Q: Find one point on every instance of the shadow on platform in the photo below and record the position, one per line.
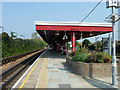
(99, 83)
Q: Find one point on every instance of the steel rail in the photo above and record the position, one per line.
(31, 60)
(13, 58)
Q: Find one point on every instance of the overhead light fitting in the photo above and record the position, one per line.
(57, 33)
(65, 36)
(91, 34)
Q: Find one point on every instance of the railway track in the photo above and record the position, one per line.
(14, 58)
(9, 77)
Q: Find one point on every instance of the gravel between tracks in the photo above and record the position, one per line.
(14, 63)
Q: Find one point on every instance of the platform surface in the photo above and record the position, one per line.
(51, 71)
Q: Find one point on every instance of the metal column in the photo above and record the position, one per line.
(62, 48)
(114, 64)
(73, 42)
(67, 49)
(109, 44)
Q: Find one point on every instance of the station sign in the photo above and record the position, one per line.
(105, 42)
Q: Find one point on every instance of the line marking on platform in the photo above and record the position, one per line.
(14, 86)
(29, 73)
(42, 80)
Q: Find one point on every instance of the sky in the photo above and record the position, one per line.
(20, 16)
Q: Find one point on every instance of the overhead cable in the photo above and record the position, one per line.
(91, 11)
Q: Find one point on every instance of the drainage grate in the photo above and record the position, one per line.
(50, 67)
(64, 86)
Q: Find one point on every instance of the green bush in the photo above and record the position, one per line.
(91, 58)
(86, 43)
(78, 52)
(82, 50)
(11, 47)
(72, 54)
(100, 61)
(81, 57)
(91, 47)
(101, 57)
(103, 53)
(107, 59)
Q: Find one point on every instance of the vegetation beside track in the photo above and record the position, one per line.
(90, 53)
(12, 46)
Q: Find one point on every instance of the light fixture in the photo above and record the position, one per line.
(57, 33)
(91, 34)
(65, 36)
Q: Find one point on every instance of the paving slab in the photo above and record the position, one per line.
(52, 72)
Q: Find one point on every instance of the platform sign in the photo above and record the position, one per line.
(105, 47)
(105, 42)
(115, 3)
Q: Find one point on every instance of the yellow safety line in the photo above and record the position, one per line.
(29, 74)
(42, 83)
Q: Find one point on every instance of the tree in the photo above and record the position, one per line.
(13, 34)
(99, 45)
(77, 43)
(6, 42)
(11, 47)
(91, 47)
(86, 43)
(35, 35)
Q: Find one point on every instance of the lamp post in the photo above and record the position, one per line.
(114, 65)
(65, 38)
(113, 4)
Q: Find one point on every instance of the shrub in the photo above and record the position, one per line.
(82, 50)
(100, 61)
(100, 58)
(79, 51)
(91, 58)
(81, 57)
(72, 54)
(11, 46)
(104, 53)
(86, 43)
(107, 59)
(91, 47)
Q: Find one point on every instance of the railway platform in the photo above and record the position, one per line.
(51, 71)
